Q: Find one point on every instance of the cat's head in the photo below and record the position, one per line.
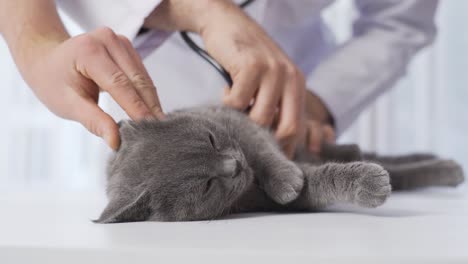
(186, 167)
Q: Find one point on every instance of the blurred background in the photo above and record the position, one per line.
(426, 111)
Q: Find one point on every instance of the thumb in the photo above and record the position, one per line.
(99, 123)
(329, 133)
(314, 136)
(226, 92)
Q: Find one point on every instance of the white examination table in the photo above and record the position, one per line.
(429, 226)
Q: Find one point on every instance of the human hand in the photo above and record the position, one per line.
(317, 133)
(262, 73)
(67, 77)
(318, 127)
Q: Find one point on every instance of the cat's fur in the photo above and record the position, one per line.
(206, 162)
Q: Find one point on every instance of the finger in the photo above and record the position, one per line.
(141, 79)
(289, 149)
(267, 101)
(226, 91)
(290, 114)
(127, 59)
(314, 136)
(243, 90)
(329, 134)
(99, 123)
(99, 67)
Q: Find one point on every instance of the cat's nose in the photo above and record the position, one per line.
(232, 167)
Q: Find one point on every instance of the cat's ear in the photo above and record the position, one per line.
(122, 209)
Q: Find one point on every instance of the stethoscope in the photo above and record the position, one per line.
(202, 53)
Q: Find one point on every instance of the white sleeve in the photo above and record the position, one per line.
(125, 17)
(386, 36)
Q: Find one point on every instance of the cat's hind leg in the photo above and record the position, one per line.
(425, 174)
(399, 159)
(362, 183)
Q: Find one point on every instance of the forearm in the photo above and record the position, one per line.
(186, 15)
(29, 27)
(386, 36)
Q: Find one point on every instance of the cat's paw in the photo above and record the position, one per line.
(449, 173)
(372, 187)
(285, 183)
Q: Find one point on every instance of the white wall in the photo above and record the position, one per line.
(37, 149)
(427, 111)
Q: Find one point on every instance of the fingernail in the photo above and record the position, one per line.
(108, 139)
(148, 116)
(160, 115)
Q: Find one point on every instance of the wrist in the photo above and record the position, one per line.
(30, 28)
(29, 48)
(187, 15)
(214, 12)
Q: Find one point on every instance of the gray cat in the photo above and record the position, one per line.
(206, 162)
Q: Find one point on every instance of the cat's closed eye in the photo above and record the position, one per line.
(209, 185)
(212, 141)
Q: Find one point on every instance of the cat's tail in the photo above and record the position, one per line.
(407, 172)
(421, 173)
(399, 159)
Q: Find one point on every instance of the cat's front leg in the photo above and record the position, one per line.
(362, 183)
(281, 179)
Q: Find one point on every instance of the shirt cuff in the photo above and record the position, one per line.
(125, 17)
(149, 41)
(134, 19)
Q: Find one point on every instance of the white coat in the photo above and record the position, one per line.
(386, 35)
